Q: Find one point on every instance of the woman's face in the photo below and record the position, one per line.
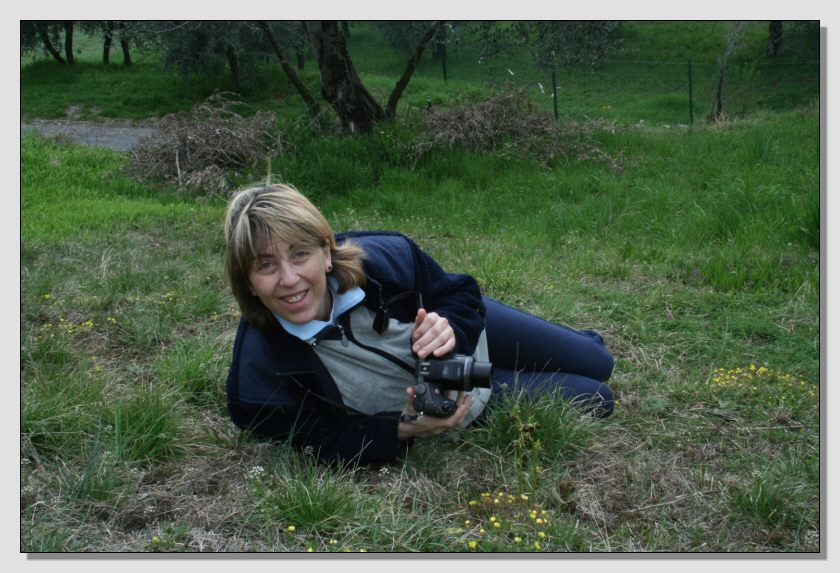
(291, 281)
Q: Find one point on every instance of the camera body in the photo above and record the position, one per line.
(434, 377)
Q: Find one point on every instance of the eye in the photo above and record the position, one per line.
(264, 266)
(300, 255)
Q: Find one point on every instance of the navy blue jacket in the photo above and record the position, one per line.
(277, 386)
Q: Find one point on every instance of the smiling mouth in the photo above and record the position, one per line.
(292, 299)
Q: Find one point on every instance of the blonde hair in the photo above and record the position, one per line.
(258, 215)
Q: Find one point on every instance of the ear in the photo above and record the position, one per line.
(327, 258)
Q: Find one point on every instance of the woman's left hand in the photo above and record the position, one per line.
(431, 335)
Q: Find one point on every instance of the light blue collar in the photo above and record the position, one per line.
(341, 303)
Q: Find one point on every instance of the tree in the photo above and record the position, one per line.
(733, 35)
(340, 84)
(43, 33)
(571, 42)
(68, 42)
(774, 37)
(279, 51)
(212, 46)
(106, 29)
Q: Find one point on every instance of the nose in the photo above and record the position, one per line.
(288, 277)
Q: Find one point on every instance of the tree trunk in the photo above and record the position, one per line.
(774, 39)
(340, 84)
(45, 38)
(732, 37)
(391, 108)
(300, 59)
(233, 62)
(124, 46)
(718, 112)
(313, 106)
(345, 27)
(68, 42)
(106, 46)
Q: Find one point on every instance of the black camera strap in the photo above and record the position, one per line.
(382, 319)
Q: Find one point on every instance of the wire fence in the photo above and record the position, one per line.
(656, 92)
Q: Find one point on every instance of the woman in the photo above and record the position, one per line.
(332, 325)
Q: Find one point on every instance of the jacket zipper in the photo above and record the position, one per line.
(347, 337)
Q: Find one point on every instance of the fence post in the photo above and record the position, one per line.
(554, 89)
(690, 97)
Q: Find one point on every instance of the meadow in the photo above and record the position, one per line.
(695, 252)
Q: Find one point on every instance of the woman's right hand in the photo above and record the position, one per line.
(431, 425)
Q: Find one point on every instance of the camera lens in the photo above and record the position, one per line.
(481, 373)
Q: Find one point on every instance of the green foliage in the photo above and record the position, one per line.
(533, 433)
(779, 496)
(144, 428)
(572, 42)
(196, 367)
(210, 47)
(298, 492)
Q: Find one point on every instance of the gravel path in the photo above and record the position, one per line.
(113, 135)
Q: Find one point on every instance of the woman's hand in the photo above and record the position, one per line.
(431, 335)
(431, 425)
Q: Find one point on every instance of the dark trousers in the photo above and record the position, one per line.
(536, 356)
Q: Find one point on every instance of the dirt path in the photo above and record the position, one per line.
(113, 135)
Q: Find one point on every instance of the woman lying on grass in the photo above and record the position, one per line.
(332, 326)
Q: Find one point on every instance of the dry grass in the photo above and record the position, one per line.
(508, 123)
(196, 149)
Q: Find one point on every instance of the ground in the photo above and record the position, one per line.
(120, 136)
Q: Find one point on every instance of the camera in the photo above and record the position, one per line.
(434, 377)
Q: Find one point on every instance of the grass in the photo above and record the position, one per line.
(697, 259)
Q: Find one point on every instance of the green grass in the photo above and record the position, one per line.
(697, 259)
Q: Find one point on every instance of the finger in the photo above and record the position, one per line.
(421, 316)
(424, 322)
(437, 333)
(440, 345)
(447, 347)
(461, 411)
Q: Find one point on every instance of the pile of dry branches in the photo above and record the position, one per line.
(508, 123)
(196, 149)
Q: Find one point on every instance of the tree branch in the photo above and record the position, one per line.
(45, 37)
(313, 106)
(391, 108)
